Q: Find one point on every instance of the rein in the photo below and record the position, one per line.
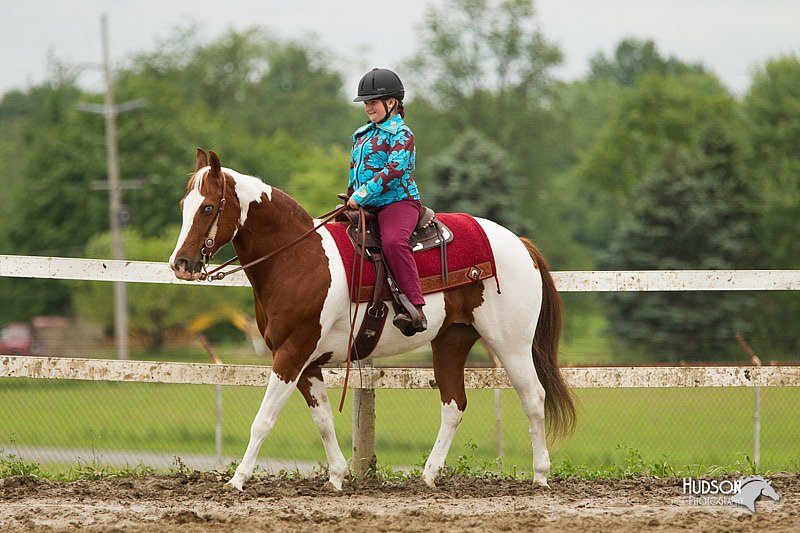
(216, 275)
(362, 226)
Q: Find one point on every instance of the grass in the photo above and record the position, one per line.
(11, 465)
(682, 430)
(465, 464)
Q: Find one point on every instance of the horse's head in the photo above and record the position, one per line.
(768, 491)
(207, 223)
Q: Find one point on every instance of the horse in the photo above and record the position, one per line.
(751, 488)
(303, 310)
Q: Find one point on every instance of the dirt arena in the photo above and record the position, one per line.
(199, 502)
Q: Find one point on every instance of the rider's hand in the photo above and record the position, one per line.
(352, 203)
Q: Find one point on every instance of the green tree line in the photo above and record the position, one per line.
(648, 162)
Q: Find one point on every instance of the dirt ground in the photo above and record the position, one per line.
(200, 502)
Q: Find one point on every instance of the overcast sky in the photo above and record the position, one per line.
(731, 37)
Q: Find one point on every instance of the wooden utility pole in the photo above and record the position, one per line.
(114, 186)
(115, 201)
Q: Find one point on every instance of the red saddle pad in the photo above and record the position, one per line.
(469, 250)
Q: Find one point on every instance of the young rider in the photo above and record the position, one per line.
(381, 180)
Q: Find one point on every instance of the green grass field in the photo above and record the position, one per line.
(688, 429)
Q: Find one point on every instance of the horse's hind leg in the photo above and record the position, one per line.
(517, 359)
(278, 392)
(450, 349)
(312, 387)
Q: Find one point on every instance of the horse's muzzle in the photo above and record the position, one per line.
(184, 272)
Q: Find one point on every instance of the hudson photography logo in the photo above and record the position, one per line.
(744, 491)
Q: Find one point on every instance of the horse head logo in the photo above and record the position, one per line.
(751, 488)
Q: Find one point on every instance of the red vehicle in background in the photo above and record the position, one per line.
(17, 339)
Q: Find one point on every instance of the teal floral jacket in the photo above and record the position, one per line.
(382, 163)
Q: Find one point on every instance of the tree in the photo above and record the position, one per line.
(772, 111)
(156, 310)
(634, 58)
(658, 115)
(325, 175)
(474, 176)
(486, 59)
(484, 65)
(772, 108)
(612, 128)
(690, 212)
(51, 210)
(270, 108)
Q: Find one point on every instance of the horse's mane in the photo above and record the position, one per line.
(196, 179)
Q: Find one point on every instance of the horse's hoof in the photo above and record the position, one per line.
(541, 482)
(331, 486)
(238, 485)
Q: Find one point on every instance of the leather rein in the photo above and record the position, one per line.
(216, 274)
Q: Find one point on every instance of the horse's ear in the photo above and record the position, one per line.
(202, 160)
(216, 166)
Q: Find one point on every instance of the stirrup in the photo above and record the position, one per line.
(405, 324)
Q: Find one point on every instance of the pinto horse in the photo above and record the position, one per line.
(303, 310)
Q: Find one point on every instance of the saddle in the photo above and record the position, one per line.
(428, 233)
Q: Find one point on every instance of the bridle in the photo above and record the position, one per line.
(208, 243)
(216, 274)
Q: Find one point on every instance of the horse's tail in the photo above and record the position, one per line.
(559, 405)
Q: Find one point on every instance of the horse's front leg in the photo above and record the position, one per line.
(312, 387)
(278, 392)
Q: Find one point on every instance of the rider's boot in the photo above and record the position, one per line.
(409, 325)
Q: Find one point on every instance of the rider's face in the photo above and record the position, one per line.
(375, 110)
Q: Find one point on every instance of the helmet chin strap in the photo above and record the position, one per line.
(387, 112)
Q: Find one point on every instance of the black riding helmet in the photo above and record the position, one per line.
(380, 83)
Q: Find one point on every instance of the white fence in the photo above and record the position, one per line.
(17, 266)
(403, 378)
(392, 378)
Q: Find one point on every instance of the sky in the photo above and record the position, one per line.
(730, 37)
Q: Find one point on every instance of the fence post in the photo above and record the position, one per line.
(498, 413)
(756, 362)
(218, 429)
(364, 458)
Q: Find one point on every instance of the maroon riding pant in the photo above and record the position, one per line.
(396, 222)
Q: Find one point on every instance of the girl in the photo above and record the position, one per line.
(381, 166)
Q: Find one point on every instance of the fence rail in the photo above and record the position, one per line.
(391, 378)
(20, 266)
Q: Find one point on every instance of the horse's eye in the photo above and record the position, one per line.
(208, 209)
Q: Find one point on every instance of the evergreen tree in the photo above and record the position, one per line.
(772, 112)
(474, 177)
(689, 213)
